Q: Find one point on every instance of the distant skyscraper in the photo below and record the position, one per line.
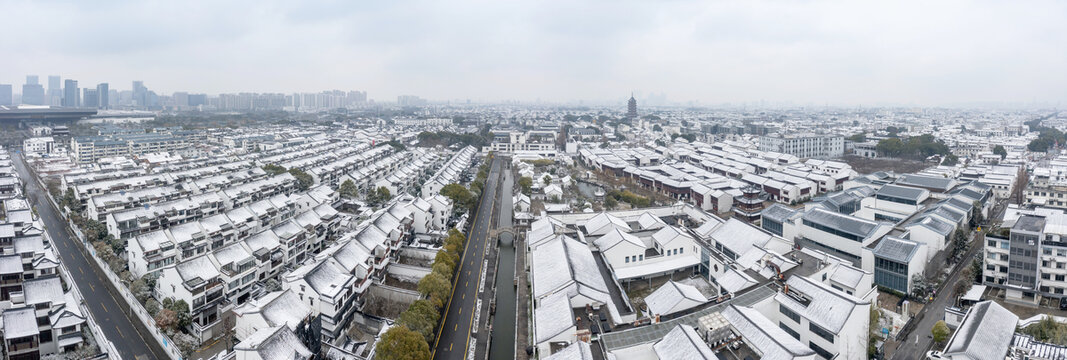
(32, 91)
(631, 107)
(70, 93)
(103, 94)
(140, 94)
(55, 91)
(5, 94)
(90, 98)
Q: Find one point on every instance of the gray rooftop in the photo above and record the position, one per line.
(896, 249)
(841, 222)
(900, 192)
(1030, 223)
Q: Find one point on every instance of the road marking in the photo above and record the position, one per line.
(450, 346)
(456, 328)
(104, 306)
(120, 331)
(460, 312)
(464, 296)
(465, 282)
(470, 238)
(93, 288)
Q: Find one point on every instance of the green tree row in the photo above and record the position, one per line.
(411, 336)
(915, 147)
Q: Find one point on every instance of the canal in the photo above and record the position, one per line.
(502, 345)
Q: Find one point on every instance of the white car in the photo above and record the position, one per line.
(933, 355)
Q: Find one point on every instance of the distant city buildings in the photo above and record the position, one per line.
(70, 93)
(32, 91)
(6, 98)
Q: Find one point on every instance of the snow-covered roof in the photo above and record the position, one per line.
(826, 307)
(566, 263)
(276, 343)
(739, 237)
(683, 343)
(601, 224)
(673, 297)
(579, 350)
(763, 335)
(553, 317)
(984, 334)
(617, 236)
(20, 322)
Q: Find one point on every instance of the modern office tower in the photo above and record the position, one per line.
(55, 91)
(5, 95)
(90, 98)
(32, 91)
(70, 93)
(140, 94)
(102, 93)
(197, 99)
(181, 99)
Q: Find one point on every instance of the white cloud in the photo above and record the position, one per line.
(839, 52)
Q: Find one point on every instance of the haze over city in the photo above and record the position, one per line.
(685, 52)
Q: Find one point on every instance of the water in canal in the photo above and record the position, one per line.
(502, 346)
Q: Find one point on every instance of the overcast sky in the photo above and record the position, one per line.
(838, 52)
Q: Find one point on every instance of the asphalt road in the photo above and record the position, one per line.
(454, 337)
(118, 326)
(919, 341)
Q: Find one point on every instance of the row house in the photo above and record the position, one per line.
(248, 193)
(156, 250)
(450, 172)
(364, 178)
(100, 205)
(330, 173)
(200, 284)
(128, 223)
(405, 179)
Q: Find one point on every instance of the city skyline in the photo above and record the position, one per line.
(834, 53)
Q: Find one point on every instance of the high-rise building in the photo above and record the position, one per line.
(90, 98)
(103, 94)
(197, 99)
(140, 94)
(70, 93)
(631, 107)
(5, 95)
(55, 92)
(32, 91)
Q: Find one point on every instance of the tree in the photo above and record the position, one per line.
(610, 203)
(140, 290)
(547, 179)
(272, 285)
(951, 160)
(959, 242)
(303, 179)
(401, 343)
(526, 184)
(348, 189)
(181, 311)
(657, 128)
(999, 150)
(940, 331)
(443, 257)
(460, 196)
(965, 281)
(858, 138)
(272, 169)
(421, 316)
(976, 214)
(167, 320)
(918, 286)
(436, 286)
(186, 343)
